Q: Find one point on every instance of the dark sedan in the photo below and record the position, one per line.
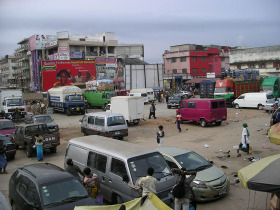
(42, 118)
(10, 147)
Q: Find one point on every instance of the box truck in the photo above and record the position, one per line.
(132, 107)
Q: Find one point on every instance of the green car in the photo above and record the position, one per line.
(210, 182)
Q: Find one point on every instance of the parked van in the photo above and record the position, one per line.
(144, 95)
(148, 91)
(203, 111)
(116, 163)
(104, 124)
(254, 100)
(98, 98)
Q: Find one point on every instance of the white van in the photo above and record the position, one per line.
(144, 95)
(149, 91)
(117, 162)
(104, 124)
(253, 100)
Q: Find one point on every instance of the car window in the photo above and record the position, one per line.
(183, 105)
(215, 105)
(6, 125)
(99, 121)
(91, 120)
(18, 130)
(170, 162)
(222, 104)
(116, 120)
(241, 97)
(118, 167)
(76, 153)
(32, 194)
(191, 105)
(97, 161)
(22, 186)
(191, 161)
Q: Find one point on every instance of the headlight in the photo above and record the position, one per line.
(199, 184)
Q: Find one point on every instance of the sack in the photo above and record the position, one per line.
(99, 199)
(157, 139)
(178, 191)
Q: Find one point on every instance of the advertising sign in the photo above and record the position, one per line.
(63, 73)
(37, 42)
(63, 53)
(106, 68)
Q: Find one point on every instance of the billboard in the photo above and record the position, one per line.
(63, 73)
(106, 68)
(37, 42)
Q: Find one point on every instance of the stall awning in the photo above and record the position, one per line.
(195, 80)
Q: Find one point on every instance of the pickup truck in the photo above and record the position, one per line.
(24, 136)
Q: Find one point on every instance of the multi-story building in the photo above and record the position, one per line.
(63, 46)
(188, 61)
(8, 68)
(264, 59)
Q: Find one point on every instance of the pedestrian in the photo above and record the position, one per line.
(73, 169)
(43, 108)
(152, 110)
(38, 106)
(167, 97)
(160, 135)
(92, 183)
(178, 121)
(39, 147)
(3, 161)
(161, 96)
(180, 174)
(245, 141)
(86, 107)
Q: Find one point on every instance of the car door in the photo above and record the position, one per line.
(183, 111)
(17, 136)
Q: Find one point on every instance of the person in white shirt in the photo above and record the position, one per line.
(245, 140)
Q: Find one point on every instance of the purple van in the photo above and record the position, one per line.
(204, 111)
(7, 127)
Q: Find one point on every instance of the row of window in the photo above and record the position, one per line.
(194, 58)
(184, 71)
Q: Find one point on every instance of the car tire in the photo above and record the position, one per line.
(17, 146)
(259, 107)
(53, 149)
(236, 106)
(28, 151)
(169, 107)
(136, 122)
(85, 133)
(68, 112)
(219, 123)
(203, 123)
(120, 137)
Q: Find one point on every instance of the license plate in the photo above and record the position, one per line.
(117, 133)
(47, 145)
(222, 191)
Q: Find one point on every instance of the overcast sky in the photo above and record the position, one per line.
(158, 24)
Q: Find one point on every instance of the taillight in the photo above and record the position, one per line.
(127, 130)
(106, 133)
(58, 137)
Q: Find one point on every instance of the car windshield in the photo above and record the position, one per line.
(43, 119)
(6, 125)
(36, 129)
(267, 88)
(5, 139)
(175, 98)
(15, 102)
(192, 161)
(76, 98)
(220, 90)
(110, 95)
(59, 192)
(116, 120)
(138, 166)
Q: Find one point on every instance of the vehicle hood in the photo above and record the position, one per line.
(51, 124)
(174, 101)
(83, 202)
(7, 132)
(209, 174)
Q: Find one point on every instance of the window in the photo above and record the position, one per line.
(118, 167)
(241, 97)
(182, 59)
(203, 70)
(32, 194)
(22, 186)
(174, 71)
(91, 120)
(203, 58)
(194, 70)
(170, 162)
(97, 161)
(214, 105)
(193, 58)
(223, 59)
(191, 105)
(99, 121)
(222, 104)
(117, 120)
(173, 60)
(184, 71)
(183, 105)
(216, 59)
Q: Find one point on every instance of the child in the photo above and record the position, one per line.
(160, 135)
(39, 146)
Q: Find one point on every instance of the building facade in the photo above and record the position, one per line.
(264, 59)
(184, 62)
(8, 67)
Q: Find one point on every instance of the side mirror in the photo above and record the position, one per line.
(125, 178)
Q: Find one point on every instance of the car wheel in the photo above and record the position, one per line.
(120, 138)
(136, 122)
(118, 200)
(53, 149)
(17, 146)
(219, 123)
(236, 106)
(85, 133)
(259, 107)
(68, 112)
(203, 123)
(28, 151)
(169, 107)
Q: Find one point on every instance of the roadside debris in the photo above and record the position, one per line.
(206, 145)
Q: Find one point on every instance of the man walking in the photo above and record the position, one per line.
(152, 110)
(178, 120)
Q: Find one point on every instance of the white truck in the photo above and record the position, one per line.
(68, 99)
(11, 99)
(132, 107)
(147, 93)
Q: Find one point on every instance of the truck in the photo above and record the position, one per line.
(97, 98)
(11, 99)
(24, 136)
(67, 99)
(271, 85)
(132, 107)
(230, 89)
(207, 88)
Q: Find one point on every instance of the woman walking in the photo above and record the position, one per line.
(160, 135)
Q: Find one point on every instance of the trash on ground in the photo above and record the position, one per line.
(236, 180)
(245, 159)
(235, 147)
(206, 145)
(238, 155)
(224, 167)
(227, 152)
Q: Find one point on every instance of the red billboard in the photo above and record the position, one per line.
(63, 73)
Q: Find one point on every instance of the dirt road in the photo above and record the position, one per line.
(220, 139)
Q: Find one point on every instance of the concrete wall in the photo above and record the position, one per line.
(143, 76)
(130, 51)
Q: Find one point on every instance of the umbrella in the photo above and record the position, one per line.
(262, 175)
(274, 133)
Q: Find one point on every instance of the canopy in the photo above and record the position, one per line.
(195, 80)
(262, 175)
(151, 203)
(269, 81)
(274, 133)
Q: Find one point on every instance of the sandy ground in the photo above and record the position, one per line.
(219, 138)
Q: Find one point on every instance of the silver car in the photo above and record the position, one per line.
(210, 182)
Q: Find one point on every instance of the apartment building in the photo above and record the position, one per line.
(264, 59)
(8, 67)
(188, 61)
